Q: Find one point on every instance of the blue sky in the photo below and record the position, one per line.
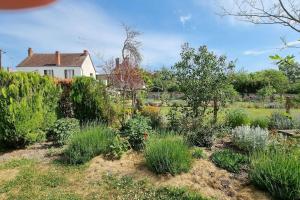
(71, 26)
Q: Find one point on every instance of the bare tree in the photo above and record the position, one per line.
(282, 12)
(131, 46)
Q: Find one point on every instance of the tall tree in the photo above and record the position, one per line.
(202, 78)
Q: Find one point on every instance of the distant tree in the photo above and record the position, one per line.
(274, 78)
(164, 80)
(202, 78)
(289, 66)
(282, 12)
(267, 91)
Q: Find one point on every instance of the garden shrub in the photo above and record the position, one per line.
(90, 100)
(28, 105)
(153, 113)
(229, 160)
(249, 139)
(280, 121)
(277, 170)
(90, 142)
(65, 107)
(174, 118)
(238, 117)
(167, 155)
(136, 130)
(262, 122)
(62, 130)
(116, 148)
(202, 136)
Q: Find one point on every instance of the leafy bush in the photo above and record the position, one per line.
(167, 155)
(90, 100)
(229, 160)
(28, 103)
(90, 142)
(63, 129)
(174, 118)
(116, 148)
(278, 171)
(238, 117)
(202, 136)
(137, 129)
(153, 113)
(249, 139)
(198, 153)
(280, 121)
(262, 122)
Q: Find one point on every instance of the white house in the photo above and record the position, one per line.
(59, 65)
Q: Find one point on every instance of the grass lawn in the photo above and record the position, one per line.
(253, 112)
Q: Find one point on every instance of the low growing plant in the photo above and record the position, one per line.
(137, 130)
(202, 136)
(62, 130)
(90, 142)
(167, 155)
(198, 153)
(116, 148)
(249, 139)
(238, 117)
(277, 170)
(281, 121)
(262, 122)
(229, 160)
(153, 113)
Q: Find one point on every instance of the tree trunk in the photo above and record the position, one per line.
(216, 109)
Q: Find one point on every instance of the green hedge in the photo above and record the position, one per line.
(90, 100)
(28, 105)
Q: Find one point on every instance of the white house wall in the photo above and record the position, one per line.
(88, 67)
(59, 72)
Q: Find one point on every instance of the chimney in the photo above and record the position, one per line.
(117, 62)
(57, 58)
(85, 52)
(30, 52)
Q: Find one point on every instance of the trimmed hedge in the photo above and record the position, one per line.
(28, 105)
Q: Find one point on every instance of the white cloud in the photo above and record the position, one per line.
(257, 52)
(73, 27)
(185, 18)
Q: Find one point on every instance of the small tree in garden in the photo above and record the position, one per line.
(202, 77)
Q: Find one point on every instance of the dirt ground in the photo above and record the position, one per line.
(204, 177)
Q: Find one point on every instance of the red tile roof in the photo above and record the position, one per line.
(44, 60)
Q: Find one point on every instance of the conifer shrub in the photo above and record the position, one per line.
(28, 105)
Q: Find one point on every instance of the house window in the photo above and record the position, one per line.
(48, 72)
(91, 74)
(69, 73)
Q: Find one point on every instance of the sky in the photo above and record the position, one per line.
(96, 25)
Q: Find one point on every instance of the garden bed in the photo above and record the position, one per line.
(204, 177)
